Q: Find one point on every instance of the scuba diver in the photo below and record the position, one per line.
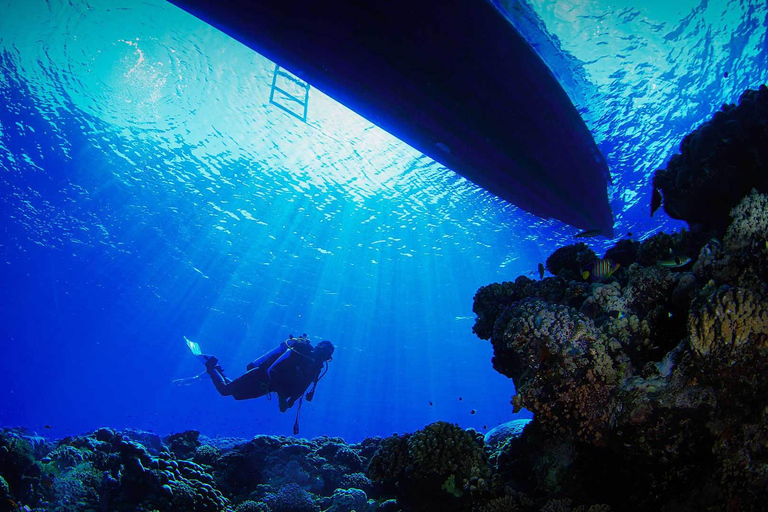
(287, 370)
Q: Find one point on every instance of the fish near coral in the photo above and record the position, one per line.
(676, 262)
(599, 269)
(541, 270)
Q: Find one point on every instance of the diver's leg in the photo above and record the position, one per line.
(251, 384)
(218, 378)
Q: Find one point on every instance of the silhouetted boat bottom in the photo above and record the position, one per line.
(454, 80)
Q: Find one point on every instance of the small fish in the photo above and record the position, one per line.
(430, 403)
(47, 426)
(541, 270)
(472, 411)
(676, 262)
(460, 399)
(629, 234)
(485, 427)
(600, 268)
(655, 200)
(589, 233)
(725, 74)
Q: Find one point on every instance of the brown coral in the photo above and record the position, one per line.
(728, 326)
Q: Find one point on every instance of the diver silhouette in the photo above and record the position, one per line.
(287, 370)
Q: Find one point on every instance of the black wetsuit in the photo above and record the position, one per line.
(288, 370)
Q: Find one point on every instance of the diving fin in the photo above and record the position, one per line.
(193, 347)
(189, 380)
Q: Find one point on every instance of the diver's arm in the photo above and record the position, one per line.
(275, 368)
(309, 396)
(272, 355)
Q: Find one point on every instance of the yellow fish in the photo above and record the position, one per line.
(599, 269)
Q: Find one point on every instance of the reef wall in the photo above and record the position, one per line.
(649, 385)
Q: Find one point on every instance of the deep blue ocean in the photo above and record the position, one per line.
(150, 191)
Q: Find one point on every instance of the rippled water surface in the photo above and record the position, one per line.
(149, 190)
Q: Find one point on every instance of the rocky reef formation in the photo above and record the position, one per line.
(650, 387)
(440, 467)
(718, 164)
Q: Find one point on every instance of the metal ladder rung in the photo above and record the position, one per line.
(287, 96)
(297, 81)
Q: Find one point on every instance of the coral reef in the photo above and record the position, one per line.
(116, 471)
(718, 164)
(441, 466)
(654, 379)
(569, 261)
(291, 498)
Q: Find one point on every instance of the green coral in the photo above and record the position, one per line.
(448, 451)
(435, 467)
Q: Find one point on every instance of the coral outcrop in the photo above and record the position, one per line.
(659, 373)
(718, 164)
(109, 470)
(439, 466)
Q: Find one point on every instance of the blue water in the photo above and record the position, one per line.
(149, 191)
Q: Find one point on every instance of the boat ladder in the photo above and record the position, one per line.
(292, 93)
